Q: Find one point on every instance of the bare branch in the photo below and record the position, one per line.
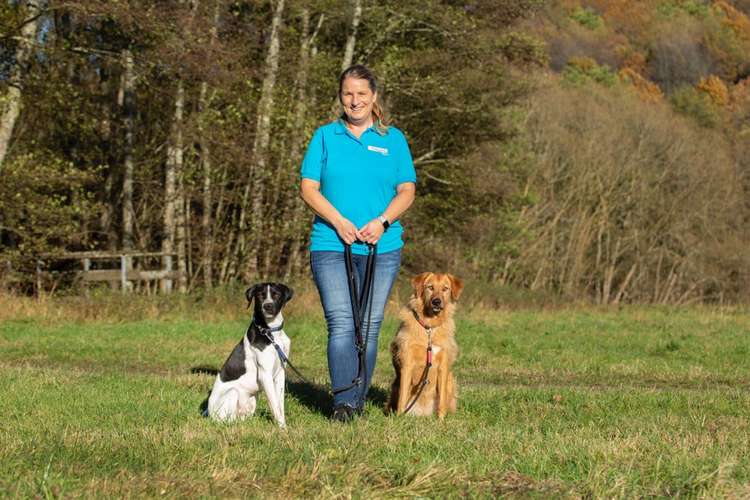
(436, 179)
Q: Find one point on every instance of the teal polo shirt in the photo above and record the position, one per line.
(358, 176)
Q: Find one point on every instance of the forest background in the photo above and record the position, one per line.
(587, 150)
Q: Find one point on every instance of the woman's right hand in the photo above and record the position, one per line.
(347, 231)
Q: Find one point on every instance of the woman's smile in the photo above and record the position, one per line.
(357, 99)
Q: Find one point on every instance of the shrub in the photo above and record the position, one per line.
(728, 38)
(695, 8)
(581, 70)
(716, 89)
(648, 91)
(697, 105)
(587, 18)
(523, 49)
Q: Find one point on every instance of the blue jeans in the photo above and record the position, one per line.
(329, 273)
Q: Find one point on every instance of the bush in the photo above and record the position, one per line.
(695, 8)
(523, 49)
(587, 18)
(581, 70)
(697, 105)
(648, 91)
(716, 89)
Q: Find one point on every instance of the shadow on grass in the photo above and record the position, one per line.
(204, 370)
(320, 400)
(316, 397)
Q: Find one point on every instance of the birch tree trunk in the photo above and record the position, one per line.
(207, 255)
(248, 231)
(125, 100)
(12, 104)
(351, 41)
(108, 216)
(174, 162)
(206, 219)
(176, 153)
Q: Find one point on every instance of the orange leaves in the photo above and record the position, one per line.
(647, 90)
(634, 60)
(715, 88)
(740, 104)
(733, 19)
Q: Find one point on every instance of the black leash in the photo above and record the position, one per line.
(360, 304)
(268, 334)
(426, 373)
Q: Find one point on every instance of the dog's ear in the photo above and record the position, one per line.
(457, 286)
(417, 282)
(288, 292)
(249, 293)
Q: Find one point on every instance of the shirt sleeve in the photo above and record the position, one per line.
(315, 157)
(405, 166)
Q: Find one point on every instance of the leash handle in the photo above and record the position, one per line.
(360, 303)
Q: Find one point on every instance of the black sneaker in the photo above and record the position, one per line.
(342, 413)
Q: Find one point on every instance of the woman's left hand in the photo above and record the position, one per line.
(372, 231)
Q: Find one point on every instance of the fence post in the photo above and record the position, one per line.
(123, 275)
(166, 283)
(86, 269)
(38, 279)
(8, 277)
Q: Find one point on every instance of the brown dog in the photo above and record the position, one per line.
(428, 318)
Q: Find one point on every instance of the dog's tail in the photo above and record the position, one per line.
(204, 370)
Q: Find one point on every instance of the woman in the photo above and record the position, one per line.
(358, 178)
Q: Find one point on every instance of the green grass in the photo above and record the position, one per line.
(581, 402)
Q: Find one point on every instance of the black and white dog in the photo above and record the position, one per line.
(255, 362)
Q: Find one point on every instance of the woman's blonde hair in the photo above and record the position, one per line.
(359, 71)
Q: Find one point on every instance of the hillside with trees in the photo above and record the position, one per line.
(593, 150)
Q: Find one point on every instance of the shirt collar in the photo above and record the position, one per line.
(342, 130)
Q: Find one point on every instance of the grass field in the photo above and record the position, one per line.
(99, 400)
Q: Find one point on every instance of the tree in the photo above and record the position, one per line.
(11, 105)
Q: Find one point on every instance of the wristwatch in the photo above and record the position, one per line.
(384, 221)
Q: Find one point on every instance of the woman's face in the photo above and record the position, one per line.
(357, 99)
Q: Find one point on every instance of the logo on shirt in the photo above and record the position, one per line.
(382, 151)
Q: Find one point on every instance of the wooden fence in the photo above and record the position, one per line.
(120, 269)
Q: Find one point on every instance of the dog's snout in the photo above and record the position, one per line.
(268, 307)
(436, 301)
